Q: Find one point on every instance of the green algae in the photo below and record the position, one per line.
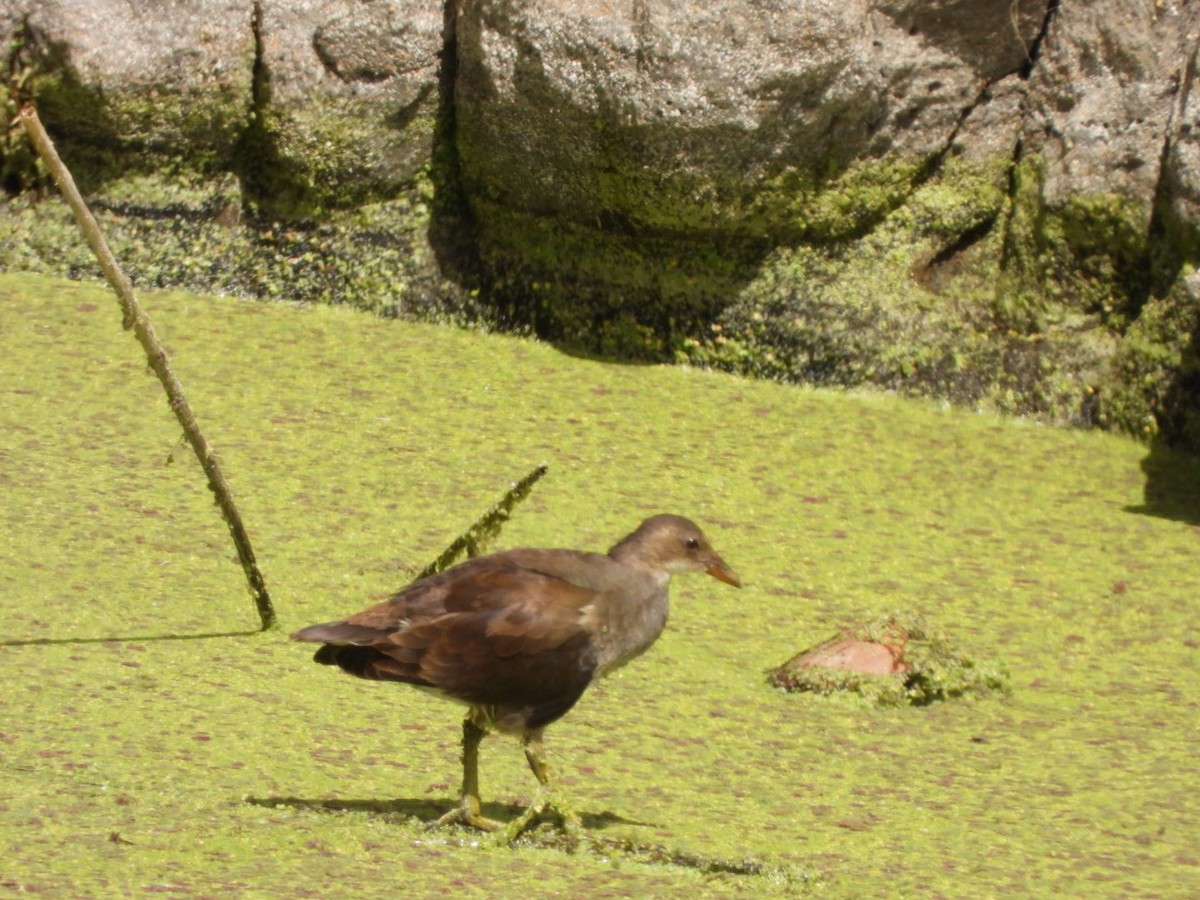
(147, 749)
(376, 257)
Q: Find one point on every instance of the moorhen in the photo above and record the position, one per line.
(518, 636)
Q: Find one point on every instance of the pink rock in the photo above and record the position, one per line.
(855, 655)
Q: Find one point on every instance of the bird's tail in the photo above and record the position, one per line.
(342, 648)
(348, 646)
(359, 661)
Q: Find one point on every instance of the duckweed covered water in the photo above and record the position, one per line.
(152, 742)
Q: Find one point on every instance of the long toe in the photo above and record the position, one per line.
(546, 801)
(467, 814)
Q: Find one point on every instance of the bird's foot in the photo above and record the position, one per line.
(546, 800)
(467, 813)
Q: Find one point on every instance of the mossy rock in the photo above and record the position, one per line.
(894, 660)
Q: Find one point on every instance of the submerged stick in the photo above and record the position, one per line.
(487, 526)
(134, 317)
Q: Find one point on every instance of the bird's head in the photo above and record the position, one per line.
(673, 544)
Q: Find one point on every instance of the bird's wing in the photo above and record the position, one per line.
(486, 632)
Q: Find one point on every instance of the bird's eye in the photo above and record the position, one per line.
(692, 543)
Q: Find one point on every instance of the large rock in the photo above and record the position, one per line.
(131, 85)
(724, 118)
(629, 168)
(316, 104)
(1103, 99)
(558, 99)
(347, 101)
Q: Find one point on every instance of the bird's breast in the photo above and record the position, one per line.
(623, 630)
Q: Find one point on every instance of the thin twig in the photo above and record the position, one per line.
(133, 317)
(487, 526)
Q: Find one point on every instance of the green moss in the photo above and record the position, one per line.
(148, 750)
(881, 310)
(849, 206)
(660, 263)
(375, 257)
(973, 292)
(20, 170)
(333, 154)
(296, 164)
(1102, 264)
(1155, 386)
(1090, 256)
(104, 136)
(786, 204)
(629, 295)
(1098, 256)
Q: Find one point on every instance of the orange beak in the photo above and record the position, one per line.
(720, 571)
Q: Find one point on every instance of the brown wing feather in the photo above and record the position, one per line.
(491, 632)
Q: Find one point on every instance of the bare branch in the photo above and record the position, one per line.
(134, 317)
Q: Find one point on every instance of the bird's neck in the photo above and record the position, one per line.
(627, 627)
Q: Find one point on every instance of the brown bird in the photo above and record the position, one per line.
(518, 636)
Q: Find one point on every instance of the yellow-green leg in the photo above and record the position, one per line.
(547, 796)
(468, 810)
